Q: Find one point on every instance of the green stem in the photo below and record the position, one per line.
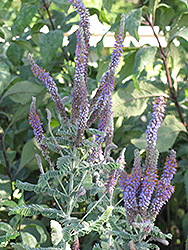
(92, 208)
(50, 130)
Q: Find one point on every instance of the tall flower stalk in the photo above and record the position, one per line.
(144, 192)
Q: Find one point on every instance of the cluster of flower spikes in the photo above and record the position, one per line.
(101, 104)
(79, 94)
(84, 114)
(139, 186)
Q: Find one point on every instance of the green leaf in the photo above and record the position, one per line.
(6, 32)
(131, 101)
(152, 6)
(63, 4)
(181, 33)
(22, 92)
(128, 66)
(143, 57)
(5, 227)
(178, 58)
(167, 134)
(5, 187)
(116, 246)
(24, 18)
(135, 82)
(166, 15)
(31, 210)
(64, 163)
(21, 113)
(132, 22)
(28, 239)
(15, 54)
(24, 45)
(102, 17)
(10, 155)
(56, 233)
(184, 1)
(107, 4)
(4, 76)
(6, 238)
(28, 153)
(28, 225)
(49, 43)
(181, 22)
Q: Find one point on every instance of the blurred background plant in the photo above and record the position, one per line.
(146, 71)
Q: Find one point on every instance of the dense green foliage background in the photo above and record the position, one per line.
(145, 72)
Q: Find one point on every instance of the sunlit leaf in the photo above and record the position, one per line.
(143, 57)
(22, 92)
(49, 43)
(130, 101)
(28, 153)
(133, 21)
(4, 76)
(25, 15)
(181, 33)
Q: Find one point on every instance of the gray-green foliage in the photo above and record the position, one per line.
(144, 77)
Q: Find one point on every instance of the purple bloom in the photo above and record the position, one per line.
(37, 127)
(51, 86)
(138, 188)
(82, 120)
(107, 82)
(130, 185)
(79, 94)
(84, 19)
(103, 123)
(152, 128)
(164, 189)
(111, 181)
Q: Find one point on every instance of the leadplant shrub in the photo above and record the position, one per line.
(82, 175)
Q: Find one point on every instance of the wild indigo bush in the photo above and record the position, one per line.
(84, 169)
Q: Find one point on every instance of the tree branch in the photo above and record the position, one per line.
(169, 80)
(53, 27)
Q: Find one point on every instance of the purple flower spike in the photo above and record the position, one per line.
(130, 185)
(37, 127)
(111, 181)
(84, 19)
(82, 120)
(44, 76)
(152, 128)
(79, 94)
(164, 189)
(107, 82)
(148, 184)
(104, 121)
(129, 196)
(170, 167)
